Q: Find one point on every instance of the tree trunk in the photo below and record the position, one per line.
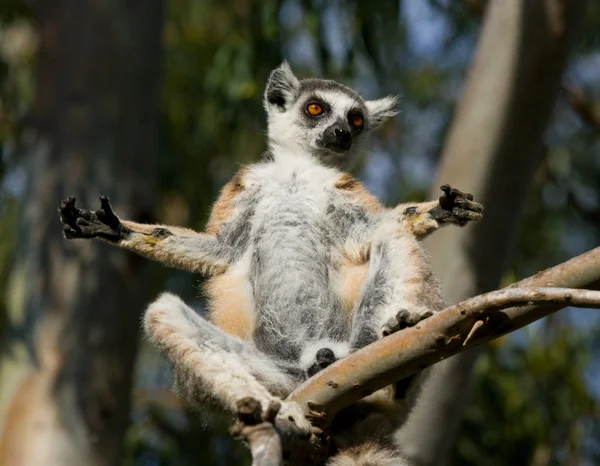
(65, 386)
(493, 148)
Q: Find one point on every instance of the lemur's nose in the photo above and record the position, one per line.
(343, 136)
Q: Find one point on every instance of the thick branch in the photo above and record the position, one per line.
(449, 332)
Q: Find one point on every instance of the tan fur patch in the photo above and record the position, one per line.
(352, 278)
(359, 193)
(420, 224)
(353, 273)
(148, 228)
(230, 305)
(161, 250)
(222, 209)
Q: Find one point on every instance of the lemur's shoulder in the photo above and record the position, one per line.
(356, 191)
(223, 207)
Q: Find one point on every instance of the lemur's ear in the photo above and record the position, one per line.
(282, 87)
(381, 109)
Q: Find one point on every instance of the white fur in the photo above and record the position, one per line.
(340, 349)
(382, 109)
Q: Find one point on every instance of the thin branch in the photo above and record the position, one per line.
(509, 297)
(444, 334)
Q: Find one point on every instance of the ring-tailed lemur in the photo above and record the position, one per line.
(305, 264)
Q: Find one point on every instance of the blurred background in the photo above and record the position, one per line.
(156, 104)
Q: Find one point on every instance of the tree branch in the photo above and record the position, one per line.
(449, 332)
(258, 431)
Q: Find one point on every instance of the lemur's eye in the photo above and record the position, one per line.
(314, 109)
(356, 121)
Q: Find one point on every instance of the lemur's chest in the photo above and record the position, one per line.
(300, 192)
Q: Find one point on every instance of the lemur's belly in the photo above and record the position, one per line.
(291, 287)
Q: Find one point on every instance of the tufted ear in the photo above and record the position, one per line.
(282, 88)
(381, 109)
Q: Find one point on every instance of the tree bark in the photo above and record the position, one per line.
(76, 305)
(493, 148)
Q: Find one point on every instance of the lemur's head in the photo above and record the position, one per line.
(324, 118)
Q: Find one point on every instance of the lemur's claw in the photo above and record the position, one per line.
(83, 223)
(458, 207)
(403, 319)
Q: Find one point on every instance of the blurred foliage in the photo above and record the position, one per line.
(536, 397)
(531, 405)
(17, 54)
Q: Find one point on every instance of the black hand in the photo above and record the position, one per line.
(83, 223)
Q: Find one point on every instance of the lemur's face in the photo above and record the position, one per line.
(325, 117)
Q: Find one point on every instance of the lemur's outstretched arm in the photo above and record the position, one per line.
(453, 208)
(174, 246)
(211, 252)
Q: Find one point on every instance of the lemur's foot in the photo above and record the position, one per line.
(325, 357)
(403, 319)
(457, 207)
(84, 223)
(291, 412)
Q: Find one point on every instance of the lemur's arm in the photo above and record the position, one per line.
(453, 208)
(181, 248)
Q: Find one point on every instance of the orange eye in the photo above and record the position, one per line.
(356, 120)
(314, 109)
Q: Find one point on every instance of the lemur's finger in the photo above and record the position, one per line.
(68, 203)
(446, 200)
(85, 213)
(457, 193)
(106, 207)
(70, 233)
(468, 204)
(446, 188)
(463, 214)
(67, 210)
(82, 222)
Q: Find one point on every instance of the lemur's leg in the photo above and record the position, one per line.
(453, 208)
(399, 291)
(210, 365)
(178, 247)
